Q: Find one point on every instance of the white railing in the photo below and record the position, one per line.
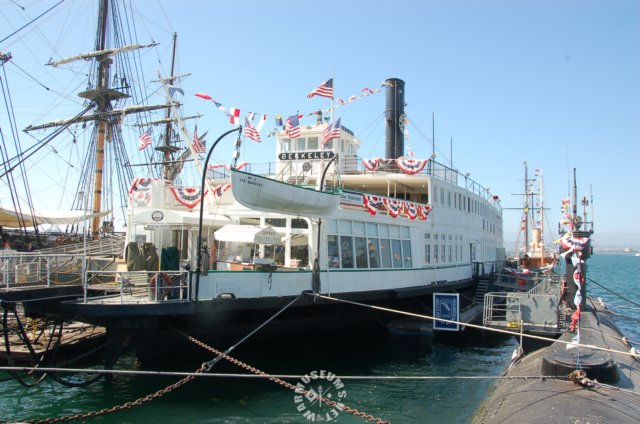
(122, 287)
(31, 270)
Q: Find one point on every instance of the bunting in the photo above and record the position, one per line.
(188, 196)
(423, 211)
(373, 164)
(234, 113)
(394, 206)
(411, 210)
(372, 203)
(411, 166)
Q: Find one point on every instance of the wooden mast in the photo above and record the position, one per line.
(168, 149)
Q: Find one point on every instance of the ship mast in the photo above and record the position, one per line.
(96, 179)
(167, 148)
(526, 208)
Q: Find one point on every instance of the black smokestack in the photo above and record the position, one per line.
(394, 114)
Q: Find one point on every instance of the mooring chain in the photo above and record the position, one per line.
(117, 408)
(283, 383)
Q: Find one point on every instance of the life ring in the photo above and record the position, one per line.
(166, 284)
(59, 240)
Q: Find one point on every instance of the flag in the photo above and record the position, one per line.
(323, 90)
(261, 122)
(278, 121)
(204, 96)
(197, 145)
(234, 115)
(173, 89)
(145, 139)
(292, 126)
(330, 132)
(250, 131)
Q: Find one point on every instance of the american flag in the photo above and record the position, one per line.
(198, 146)
(250, 131)
(324, 90)
(292, 126)
(145, 139)
(330, 132)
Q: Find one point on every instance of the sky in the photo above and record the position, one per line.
(554, 83)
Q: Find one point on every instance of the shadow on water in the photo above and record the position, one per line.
(344, 353)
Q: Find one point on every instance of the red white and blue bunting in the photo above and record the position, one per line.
(411, 210)
(188, 196)
(406, 165)
(411, 166)
(372, 203)
(423, 211)
(395, 207)
(140, 191)
(220, 190)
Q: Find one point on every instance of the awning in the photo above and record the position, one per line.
(12, 219)
(248, 234)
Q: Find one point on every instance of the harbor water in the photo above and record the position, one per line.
(239, 400)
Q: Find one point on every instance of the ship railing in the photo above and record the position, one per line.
(354, 165)
(33, 270)
(519, 311)
(129, 287)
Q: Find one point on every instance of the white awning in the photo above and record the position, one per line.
(248, 234)
(12, 219)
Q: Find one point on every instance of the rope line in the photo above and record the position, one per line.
(281, 376)
(480, 327)
(612, 292)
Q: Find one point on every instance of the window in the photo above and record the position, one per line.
(334, 253)
(312, 143)
(385, 253)
(361, 253)
(396, 249)
(374, 253)
(346, 251)
(286, 144)
(406, 251)
(300, 144)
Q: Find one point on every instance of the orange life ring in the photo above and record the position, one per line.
(166, 285)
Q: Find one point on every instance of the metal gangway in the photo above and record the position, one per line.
(538, 310)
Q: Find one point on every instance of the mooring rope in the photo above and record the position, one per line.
(612, 292)
(479, 327)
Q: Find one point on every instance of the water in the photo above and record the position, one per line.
(257, 401)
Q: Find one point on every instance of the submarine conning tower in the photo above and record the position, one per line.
(394, 114)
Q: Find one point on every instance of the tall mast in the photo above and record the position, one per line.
(526, 207)
(167, 148)
(103, 102)
(542, 246)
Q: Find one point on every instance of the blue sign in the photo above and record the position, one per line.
(446, 306)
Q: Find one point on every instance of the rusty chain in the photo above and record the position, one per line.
(117, 408)
(283, 383)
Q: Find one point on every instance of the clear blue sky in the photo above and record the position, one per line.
(555, 83)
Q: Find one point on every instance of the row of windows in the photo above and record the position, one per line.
(458, 201)
(356, 244)
(442, 248)
(303, 144)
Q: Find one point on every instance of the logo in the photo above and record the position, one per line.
(318, 384)
(157, 216)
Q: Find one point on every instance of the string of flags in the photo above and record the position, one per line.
(291, 124)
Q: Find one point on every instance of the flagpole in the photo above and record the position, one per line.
(333, 79)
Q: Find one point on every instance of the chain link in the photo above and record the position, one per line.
(283, 383)
(117, 408)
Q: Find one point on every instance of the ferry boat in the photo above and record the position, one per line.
(320, 220)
